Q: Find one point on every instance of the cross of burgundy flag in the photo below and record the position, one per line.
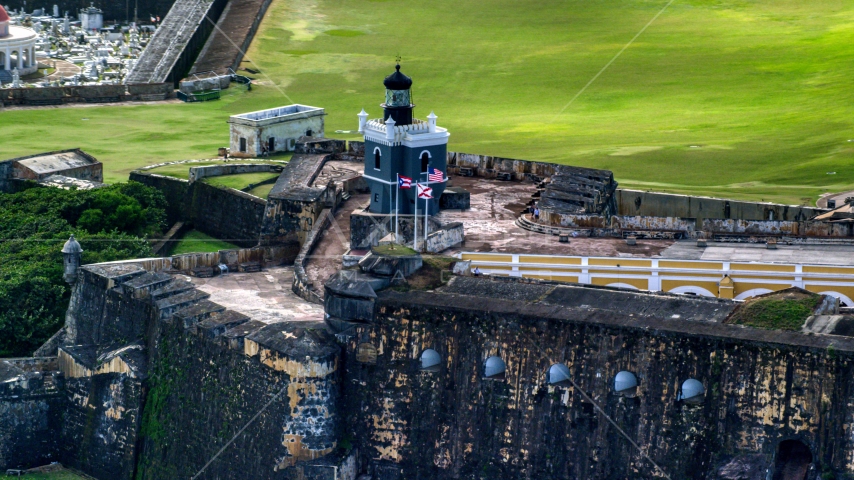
(404, 182)
(424, 192)
(434, 175)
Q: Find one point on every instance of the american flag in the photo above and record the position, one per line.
(404, 182)
(434, 175)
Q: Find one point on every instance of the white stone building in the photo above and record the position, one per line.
(91, 18)
(273, 130)
(17, 46)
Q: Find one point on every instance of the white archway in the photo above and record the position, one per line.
(693, 290)
(842, 298)
(752, 293)
(622, 285)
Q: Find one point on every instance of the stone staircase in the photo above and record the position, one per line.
(169, 41)
(5, 76)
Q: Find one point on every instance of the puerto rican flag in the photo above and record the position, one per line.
(434, 175)
(404, 182)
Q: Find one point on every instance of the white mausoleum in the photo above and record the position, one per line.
(91, 18)
(273, 130)
(17, 46)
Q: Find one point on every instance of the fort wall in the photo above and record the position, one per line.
(762, 388)
(86, 94)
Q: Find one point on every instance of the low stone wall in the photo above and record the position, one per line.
(198, 173)
(636, 202)
(446, 237)
(302, 286)
(366, 228)
(85, 94)
(776, 229)
(488, 166)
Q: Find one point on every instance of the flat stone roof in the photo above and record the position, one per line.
(264, 296)
(745, 252)
(58, 161)
(278, 114)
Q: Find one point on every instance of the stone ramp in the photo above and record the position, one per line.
(227, 43)
(5, 76)
(172, 49)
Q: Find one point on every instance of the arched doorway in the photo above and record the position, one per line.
(792, 461)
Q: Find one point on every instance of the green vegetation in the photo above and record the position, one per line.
(197, 242)
(393, 249)
(776, 313)
(433, 274)
(57, 475)
(262, 191)
(241, 180)
(749, 100)
(110, 223)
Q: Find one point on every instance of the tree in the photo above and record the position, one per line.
(110, 223)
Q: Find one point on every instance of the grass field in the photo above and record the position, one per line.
(197, 242)
(241, 180)
(750, 100)
(60, 475)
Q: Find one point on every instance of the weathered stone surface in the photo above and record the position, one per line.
(390, 265)
(762, 387)
(455, 198)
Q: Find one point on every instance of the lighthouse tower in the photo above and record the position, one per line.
(401, 145)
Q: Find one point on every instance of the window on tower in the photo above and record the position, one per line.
(425, 161)
(377, 158)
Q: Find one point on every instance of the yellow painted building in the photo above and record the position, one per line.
(736, 280)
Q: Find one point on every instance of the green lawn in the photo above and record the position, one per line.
(751, 100)
(241, 180)
(197, 242)
(262, 191)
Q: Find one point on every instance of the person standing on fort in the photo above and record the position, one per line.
(537, 213)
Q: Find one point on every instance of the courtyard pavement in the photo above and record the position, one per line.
(265, 296)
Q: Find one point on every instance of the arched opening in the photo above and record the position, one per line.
(494, 367)
(626, 384)
(692, 291)
(425, 161)
(752, 293)
(692, 391)
(377, 158)
(792, 461)
(844, 300)
(622, 285)
(559, 375)
(14, 55)
(2, 60)
(430, 360)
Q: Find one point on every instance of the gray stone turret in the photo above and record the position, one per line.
(71, 252)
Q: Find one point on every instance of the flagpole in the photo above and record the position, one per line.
(415, 222)
(426, 208)
(397, 209)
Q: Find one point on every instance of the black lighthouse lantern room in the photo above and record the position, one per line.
(398, 98)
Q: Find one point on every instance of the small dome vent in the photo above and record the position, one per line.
(692, 391)
(430, 360)
(559, 375)
(625, 382)
(494, 367)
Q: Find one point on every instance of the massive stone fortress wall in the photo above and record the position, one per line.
(30, 411)
(762, 387)
(221, 212)
(187, 375)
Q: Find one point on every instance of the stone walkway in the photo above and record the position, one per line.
(490, 225)
(265, 296)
